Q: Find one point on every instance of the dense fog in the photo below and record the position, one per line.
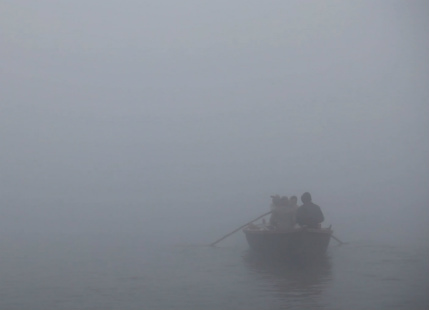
(179, 120)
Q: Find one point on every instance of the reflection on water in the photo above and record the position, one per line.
(292, 278)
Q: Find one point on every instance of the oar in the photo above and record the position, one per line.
(336, 239)
(217, 241)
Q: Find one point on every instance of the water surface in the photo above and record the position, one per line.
(131, 272)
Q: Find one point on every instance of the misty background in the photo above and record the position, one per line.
(181, 119)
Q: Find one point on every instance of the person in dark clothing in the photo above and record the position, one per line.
(309, 214)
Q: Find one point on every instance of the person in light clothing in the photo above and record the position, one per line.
(283, 216)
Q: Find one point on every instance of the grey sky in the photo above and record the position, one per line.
(113, 112)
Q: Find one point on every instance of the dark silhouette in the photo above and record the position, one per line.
(309, 214)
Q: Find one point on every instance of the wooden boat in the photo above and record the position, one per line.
(292, 242)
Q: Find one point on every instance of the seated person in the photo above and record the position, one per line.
(309, 214)
(293, 202)
(283, 216)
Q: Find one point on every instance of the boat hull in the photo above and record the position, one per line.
(293, 242)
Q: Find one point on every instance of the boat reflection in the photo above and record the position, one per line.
(293, 278)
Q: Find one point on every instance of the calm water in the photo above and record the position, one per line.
(107, 272)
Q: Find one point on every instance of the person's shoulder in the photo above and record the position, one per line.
(317, 207)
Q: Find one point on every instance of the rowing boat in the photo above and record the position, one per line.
(290, 242)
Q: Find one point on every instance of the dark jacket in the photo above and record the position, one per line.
(310, 215)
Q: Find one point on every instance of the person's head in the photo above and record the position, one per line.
(293, 200)
(284, 201)
(306, 197)
(275, 201)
